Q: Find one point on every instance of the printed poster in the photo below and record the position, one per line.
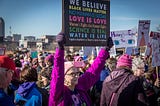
(86, 22)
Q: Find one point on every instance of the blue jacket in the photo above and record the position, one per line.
(5, 100)
(28, 94)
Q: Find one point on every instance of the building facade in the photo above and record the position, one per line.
(2, 29)
(16, 37)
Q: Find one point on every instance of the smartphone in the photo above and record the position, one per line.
(79, 64)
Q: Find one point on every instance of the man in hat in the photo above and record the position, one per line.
(7, 68)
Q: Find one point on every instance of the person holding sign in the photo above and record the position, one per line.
(67, 87)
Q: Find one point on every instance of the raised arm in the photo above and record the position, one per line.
(91, 76)
(57, 80)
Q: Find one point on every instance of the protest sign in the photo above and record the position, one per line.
(34, 54)
(2, 51)
(155, 44)
(86, 22)
(143, 32)
(129, 50)
(148, 50)
(124, 38)
(88, 51)
(112, 51)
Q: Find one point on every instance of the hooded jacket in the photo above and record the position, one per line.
(122, 88)
(28, 94)
(60, 95)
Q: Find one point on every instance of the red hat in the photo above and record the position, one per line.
(6, 62)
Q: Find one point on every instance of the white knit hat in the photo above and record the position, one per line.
(136, 63)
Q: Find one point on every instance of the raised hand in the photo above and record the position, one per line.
(109, 44)
(60, 39)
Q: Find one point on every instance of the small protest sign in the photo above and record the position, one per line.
(2, 51)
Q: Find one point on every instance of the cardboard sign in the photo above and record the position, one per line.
(86, 22)
(2, 51)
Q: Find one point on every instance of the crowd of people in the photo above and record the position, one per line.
(61, 79)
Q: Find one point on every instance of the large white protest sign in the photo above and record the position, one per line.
(143, 32)
(124, 38)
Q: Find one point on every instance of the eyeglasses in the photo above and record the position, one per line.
(11, 71)
(7, 70)
(77, 74)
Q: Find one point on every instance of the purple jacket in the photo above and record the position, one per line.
(59, 94)
(122, 88)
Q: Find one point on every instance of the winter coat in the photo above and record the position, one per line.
(28, 94)
(60, 95)
(122, 88)
(5, 100)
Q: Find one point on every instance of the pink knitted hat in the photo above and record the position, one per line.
(125, 60)
(77, 58)
(67, 66)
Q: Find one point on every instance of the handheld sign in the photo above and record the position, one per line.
(155, 44)
(2, 51)
(86, 22)
(143, 32)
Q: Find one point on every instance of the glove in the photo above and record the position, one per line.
(60, 39)
(109, 44)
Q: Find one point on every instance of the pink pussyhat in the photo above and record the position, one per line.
(67, 66)
(125, 60)
(70, 64)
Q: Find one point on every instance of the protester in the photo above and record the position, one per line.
(45, 78)
(7, 68)
(95, 92)
(41, 63)
(49, 61)
(69, 57)
(35, 63)
(67, 87)
(27, 93)
(138, 66)
(13, 86)
(111, 64)
(121, 87)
